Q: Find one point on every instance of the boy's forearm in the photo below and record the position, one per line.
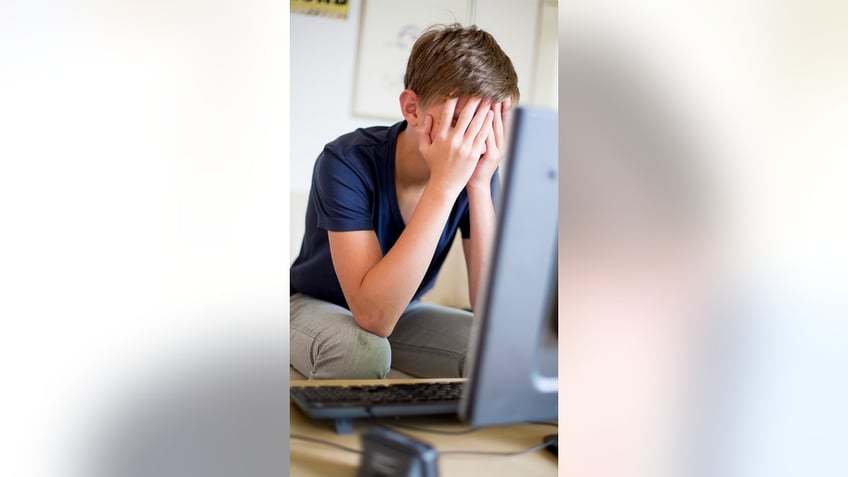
(482, 221)
(388, 287)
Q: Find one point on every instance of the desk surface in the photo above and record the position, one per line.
(312, 459)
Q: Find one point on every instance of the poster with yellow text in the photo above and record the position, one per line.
(324, 8)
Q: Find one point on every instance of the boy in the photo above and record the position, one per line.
(383, 210)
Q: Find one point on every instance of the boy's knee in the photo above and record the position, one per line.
(362, 355)
(376, 356)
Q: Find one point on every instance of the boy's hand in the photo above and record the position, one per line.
(453, 151)
(495, 146)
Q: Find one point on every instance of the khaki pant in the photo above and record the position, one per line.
(326, 343)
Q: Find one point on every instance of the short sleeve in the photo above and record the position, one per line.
(343, 194)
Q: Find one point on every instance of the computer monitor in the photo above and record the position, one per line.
(512, 365)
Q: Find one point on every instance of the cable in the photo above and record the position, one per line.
(326, 443)
(440, 453)
(436, 431)
(496, 453)
(543, 423)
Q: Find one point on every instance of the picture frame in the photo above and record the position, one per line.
(388, 30)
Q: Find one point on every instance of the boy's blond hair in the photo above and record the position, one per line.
(449, 61)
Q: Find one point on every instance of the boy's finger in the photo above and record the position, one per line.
(498, 125)
(467, 114)
(480, 117)
(447, 114)
(424, 138)
(492, 139)
(507, 105)
(485, 132)
(506, 110)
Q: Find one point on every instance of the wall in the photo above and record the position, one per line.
(323, 55)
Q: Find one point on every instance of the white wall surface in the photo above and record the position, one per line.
(323, 59)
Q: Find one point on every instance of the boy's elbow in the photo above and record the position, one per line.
(375, 328)
(382, 332)
(375, 323)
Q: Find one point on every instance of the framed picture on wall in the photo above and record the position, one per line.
(388, 30)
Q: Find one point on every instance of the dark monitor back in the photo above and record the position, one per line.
(512, 365)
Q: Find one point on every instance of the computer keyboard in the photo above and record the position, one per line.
(344, 403)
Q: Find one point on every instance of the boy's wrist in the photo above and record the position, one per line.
(442, 192)
(477, 186)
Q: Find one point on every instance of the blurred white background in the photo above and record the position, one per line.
(143, 199)
(764, 88)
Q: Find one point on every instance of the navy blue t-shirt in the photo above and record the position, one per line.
(353, 188)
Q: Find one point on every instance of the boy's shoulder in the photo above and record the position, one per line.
(362, 153)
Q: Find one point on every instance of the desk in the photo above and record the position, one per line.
(311, 459)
